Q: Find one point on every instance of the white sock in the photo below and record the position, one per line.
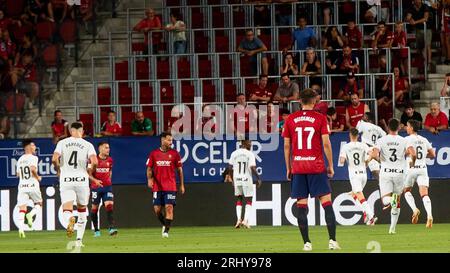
(367, 210)
(21, 220)
(239, 212)
(427, 204)
(248, 209)
(34, 211)
(81, 224)
(410, 200)
(395, 213)
(66, 215)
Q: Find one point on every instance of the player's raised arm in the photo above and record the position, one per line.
(328, 154)
(287, 157)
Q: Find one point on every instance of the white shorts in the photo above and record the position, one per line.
(245, 190)
(391, 184)
(417, 175)
(358, 182)
(374, 165)
(24, 197)
(72, 193)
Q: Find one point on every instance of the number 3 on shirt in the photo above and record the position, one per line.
(299, 131)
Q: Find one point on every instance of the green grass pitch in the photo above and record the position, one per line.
(409, 238)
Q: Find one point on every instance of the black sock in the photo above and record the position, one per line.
(167, 224)
(94, 218)
(331, 221)
(302, 219)
(109, 214)
(161, 219)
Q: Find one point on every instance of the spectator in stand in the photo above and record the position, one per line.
(303, 36)
(311, 68)
(148, 24)
(349, 87)
(111, 127)
(206, 124)
(7, 47)
(40, 9)
(287, 91)
(251, 46)
(289, 66)
(372, 13)
(283, 12)
(27, 46)
(321, 106)
(408, 114)
(337, 124)
(5, 22)
(60, 127)
(178, 28)
(417, 16)
(355, 111)
(141, 126)
(4, 126)
(445, 31)
(24, 77)
(261, 93)
(87, 15)
(345, 63)
(261, 15)
(245, 118)
(436, 120)
(353, 36)
(401, 86)
(445, 91)
(383, 38)
(400, 56)
(284, 113)
(332, 42)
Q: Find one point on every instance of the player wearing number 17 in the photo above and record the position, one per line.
(28, 185)
(70, 159)
(161, 166)
(305, 133)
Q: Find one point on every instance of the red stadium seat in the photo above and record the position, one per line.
(184, 68)
(193, 2)
(226, 66)
(50, 59)
(121, 71)
(138, 47)
(142, 70)
(88, 123)
(200, 43)
(163, 69)
(166, 94)
(187, 93)
(172, 3)
(104, 95)
(125, 95)
(238, 19)
(127, 118)
(218, 19)
(68, 33)
(204, 69)
(246, 69)
(209, 92)
(146, 94)
(222, 44)
(266, 39)
(45, 31)
(284, 40)
(197, 19)
(229, 92)
(15, 8)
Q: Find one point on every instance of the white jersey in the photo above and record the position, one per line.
(421, 145)
(392, 154)
(75, 153)
(242, 160)
(355, 153)
(370, 133)
(27, 182)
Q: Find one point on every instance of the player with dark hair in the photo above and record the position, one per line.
(419, 172)
(392, 150)
(161, 178)
(242, 167)
(27, 171)
(101, 188)
(72, 157)
(357, 156)
(306, 133)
